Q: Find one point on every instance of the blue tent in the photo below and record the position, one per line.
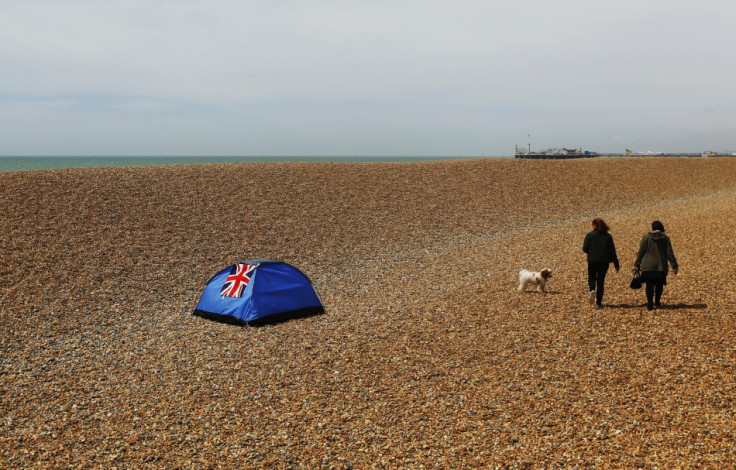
(258, 291)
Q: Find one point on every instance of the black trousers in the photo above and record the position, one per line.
(654, 291)
(655, 282)
(596, 278)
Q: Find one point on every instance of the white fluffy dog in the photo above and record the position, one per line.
(533, 278)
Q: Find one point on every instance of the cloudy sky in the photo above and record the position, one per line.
(371, 77)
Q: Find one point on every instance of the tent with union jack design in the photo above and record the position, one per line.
(258, 291)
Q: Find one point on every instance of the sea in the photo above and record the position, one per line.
(8, 164)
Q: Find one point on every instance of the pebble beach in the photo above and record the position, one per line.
(426, 356)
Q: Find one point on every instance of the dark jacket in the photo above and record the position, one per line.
(600, 248)
(655, 250)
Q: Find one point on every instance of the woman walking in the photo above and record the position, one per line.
(655, 250)
(601, 251)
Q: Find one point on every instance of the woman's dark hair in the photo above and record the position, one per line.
(600, 225)
(657, 225)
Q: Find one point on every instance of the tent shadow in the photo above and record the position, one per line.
(679, 306)
(269, 320)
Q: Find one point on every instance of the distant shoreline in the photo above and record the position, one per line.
(31, 163)
(25, 163)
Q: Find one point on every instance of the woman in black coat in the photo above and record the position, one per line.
(601, 251)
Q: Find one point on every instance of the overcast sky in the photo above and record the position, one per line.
(371, 77)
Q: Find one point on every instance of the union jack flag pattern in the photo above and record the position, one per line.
(235, 283)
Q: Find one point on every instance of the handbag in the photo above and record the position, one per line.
(636, 280)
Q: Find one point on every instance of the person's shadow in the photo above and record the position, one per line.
(679, 306)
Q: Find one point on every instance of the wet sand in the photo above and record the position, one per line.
(426, 355)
